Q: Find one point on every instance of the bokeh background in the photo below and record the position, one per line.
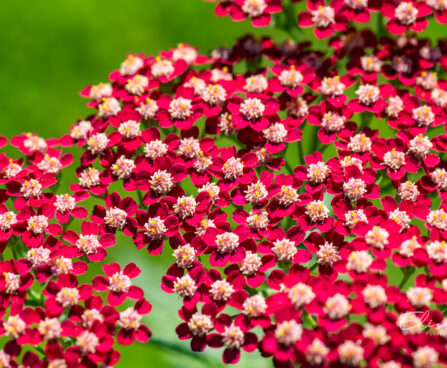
(49, 50)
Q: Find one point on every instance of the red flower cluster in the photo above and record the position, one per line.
(326, 17)
(291, 254)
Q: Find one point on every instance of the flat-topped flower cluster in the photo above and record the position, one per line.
(291, 253)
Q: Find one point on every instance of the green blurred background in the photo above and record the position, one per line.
(50, 50)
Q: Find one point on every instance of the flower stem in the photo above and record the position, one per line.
(307, 317)
(408, 271)
(300, 153)
(179, 349)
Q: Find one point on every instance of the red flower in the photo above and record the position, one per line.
(118, 284)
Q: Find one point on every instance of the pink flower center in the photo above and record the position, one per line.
(89, 178)
(258, 220)
(254, 306)
(7, 219)
(439, 177)
(87, 342)
(394, 159)
(185, 207)
(408, 246)
(81, 130)
(123, 167)
(148, 110)
(318, 173)
(256, 193)
(64, 203)
(116, 218)
(233, 337)
(288, 332)
(359, 261)
(252, 108)
(221, 290)
(214, 94)
(155, 228)
(350, 353)
(200, 324)
(332, 86)
(360, 143)
(155, 149)
(368, 94)
(50, 164)
(317, 211)
(370, 63)
(38, 256)
(423, 115)
(251, 264)
(50, 328)
(297, 107)
(88, 244)
(35, 143)
(14, 326)
(131, 65)
(185, 255)
(12, 282)
(180, 108)
(162, 68)
(333, 122)
(275, 133)
(291, 78)
(374, 295)
(327, 255)
(428, 80)
(300, 294)
(227, 242)
(37, 224)
(161, 182)
(67, 297)
(323, 17)
(189, 147)
(354, 189)
(233, 168)
(254, 8)
(119, 283)
(129, 319)
(137, 85)
(437, 250)
(31, 188)
(377, 237)
(394, 106)
(61, 265)
(438, 219)
(406, 13)
(226, 125)
(129, 129)
(109, 107)
(353, 217)
(337, 306)
(284, 249)
(256, 84)
(185, 286)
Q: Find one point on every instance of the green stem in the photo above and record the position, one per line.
(407, 274)
(290, 22)
(307, 317)
(313, 267)
(300, 153)
(380, 27)
(140, 197)
(178, 349)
